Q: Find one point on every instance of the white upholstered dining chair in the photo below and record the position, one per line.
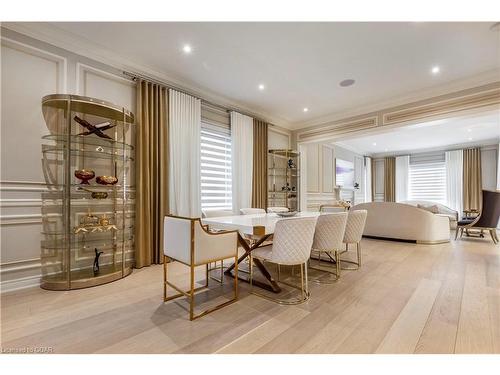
(215, 213)
(356, 221)
(328, 240)
(252, 211)
(291, 246)
(332, 208)
(188, 242)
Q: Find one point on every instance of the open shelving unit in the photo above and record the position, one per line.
(283, 179)
(80, 220)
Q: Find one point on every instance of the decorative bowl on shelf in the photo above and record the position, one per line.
(106, 180)
(84, 175)
(286, 214)
(99, 195)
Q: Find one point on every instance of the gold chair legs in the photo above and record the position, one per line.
(191, 292)
(355, 265)
(335, 255)
(303, 288)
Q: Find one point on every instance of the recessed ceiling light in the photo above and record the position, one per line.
(469, 130)
(306, 109)
(347, 82)
(374, 143)
(386, 149)
(187, 48)
(435, 69)
(261, 87)
(470, 139)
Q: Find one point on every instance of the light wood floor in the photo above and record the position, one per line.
(405, 299)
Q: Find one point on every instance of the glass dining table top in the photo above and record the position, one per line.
(255, 224)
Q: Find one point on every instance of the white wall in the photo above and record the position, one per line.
(31, 69)
(278, 138)
(320, 174)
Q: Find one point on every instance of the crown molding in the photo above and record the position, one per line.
(71, 42)
(480, 79)
(484, 145)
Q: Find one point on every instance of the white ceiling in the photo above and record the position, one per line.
(301, 64)
(439, 134)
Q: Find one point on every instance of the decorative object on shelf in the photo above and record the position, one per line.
(85, 175)
(286, 214)
(356, 185)
(95, 194)
(94, 129)
(95, 267)
(106, 180)
(91, 224)
(291, 163)
(71, 221)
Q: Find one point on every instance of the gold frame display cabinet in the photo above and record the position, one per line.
(283, 179)
(88, 204)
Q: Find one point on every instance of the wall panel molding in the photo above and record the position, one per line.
(61, 62)
(81, 77)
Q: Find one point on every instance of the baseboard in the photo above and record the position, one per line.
(21, 283)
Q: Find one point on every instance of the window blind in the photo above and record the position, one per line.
(427, 178)
(216, 179)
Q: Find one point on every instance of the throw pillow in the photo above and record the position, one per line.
(433, 209)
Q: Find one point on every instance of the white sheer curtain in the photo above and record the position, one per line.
(184, 161)
(454, 179)
(368, 179)
(242, 159)
(402, 167)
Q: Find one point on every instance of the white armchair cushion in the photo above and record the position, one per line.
(177, 239)
(207, 246)
(210, 246)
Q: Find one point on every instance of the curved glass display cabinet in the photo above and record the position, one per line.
(88, 207)
(283, 179)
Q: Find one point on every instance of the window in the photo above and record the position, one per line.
(216, 179)
(427, 178)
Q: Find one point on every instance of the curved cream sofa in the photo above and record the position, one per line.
(442, 210)
(404, 222)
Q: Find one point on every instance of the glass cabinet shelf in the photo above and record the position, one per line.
(118, 157)
(88, 140)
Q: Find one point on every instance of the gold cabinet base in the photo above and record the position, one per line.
(84, 279)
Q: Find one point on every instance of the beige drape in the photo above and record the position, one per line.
(151, 172)
(390, 179)
(472, 184)
(259, 179)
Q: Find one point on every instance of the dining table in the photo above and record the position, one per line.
(253, 231)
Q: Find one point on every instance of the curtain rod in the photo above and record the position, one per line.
(135, 76)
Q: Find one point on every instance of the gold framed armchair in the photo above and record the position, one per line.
(188, 242)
